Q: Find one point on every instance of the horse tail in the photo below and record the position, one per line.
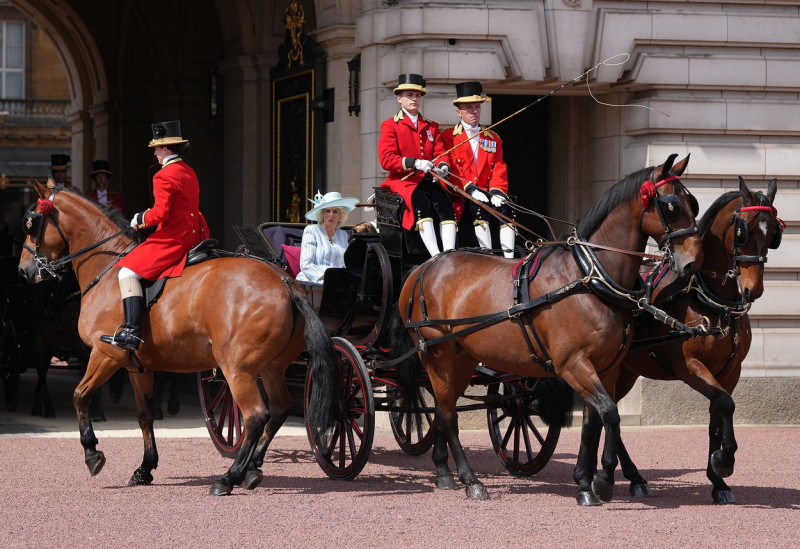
(555, 401)
(325, 391)
(409, 368)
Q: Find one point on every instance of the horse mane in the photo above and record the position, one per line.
(114, 215)
(712, 211)
(621, 191)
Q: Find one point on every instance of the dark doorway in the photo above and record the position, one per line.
(525, 152)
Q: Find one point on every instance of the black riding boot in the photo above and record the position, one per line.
(129, 336)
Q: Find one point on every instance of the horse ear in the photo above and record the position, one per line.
(772, 190)
(661, 171)
(745, 191)
(680, 167)
(40, 189)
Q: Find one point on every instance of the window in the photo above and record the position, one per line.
(12, 60)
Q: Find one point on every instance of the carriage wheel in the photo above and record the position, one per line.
(223, 416)
(350, 443)
(523, 442)
(412, 430)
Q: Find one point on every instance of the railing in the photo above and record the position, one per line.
(21, 109)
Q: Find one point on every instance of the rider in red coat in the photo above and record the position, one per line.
(475, 158)
(181, 226)
(405, 150)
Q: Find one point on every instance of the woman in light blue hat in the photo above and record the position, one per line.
(324, 242)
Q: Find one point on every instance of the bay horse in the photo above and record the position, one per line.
(239, 314)
(737, 231)
(563, 324)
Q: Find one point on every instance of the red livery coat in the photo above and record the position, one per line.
(399, 144)
(181, 226)
(490, 172)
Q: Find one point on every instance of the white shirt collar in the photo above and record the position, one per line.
(168, 158)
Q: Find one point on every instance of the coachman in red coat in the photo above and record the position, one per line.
(180, 227)
(475, 158)
(405, 150)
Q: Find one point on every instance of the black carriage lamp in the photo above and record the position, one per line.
(354, 66)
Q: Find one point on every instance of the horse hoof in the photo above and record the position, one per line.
(587, 499)
(158, 414)
(477, 491)
(141, 478)
(95, 463)
(719, 467)
(252, 478)
(722, 497)
(219, 489)
(639, 490)
(602, 489)
(446, 483)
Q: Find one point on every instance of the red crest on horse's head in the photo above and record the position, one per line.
(45, 206)
(648, 191)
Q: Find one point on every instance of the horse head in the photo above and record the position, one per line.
(59, 222)
(668, 216)
(44, 238)
(753, 229)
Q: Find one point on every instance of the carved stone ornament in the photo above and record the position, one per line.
(573, 3)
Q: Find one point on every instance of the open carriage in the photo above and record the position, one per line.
(355, 304)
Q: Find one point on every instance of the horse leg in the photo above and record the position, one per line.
(444, 476)
(639, 487)
(95, 407)
(42, 404)
(721, 493)
(142, 388)
(98, 370)
(586, 465)
(244, 390)
(595, 396)
(279, 406)
(448, 387)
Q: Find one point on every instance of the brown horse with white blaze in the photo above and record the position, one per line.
(236, 313)
(737, 232)
(564, 326)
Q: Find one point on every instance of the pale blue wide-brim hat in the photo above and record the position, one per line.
(332, 199)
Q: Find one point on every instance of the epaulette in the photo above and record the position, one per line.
(399, 116)
(458, 129)
(490, 134)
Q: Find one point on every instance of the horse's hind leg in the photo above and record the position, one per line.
(42, 404)
(444, 476)
(721, 493)
(274, 381)
(244, 389)
(142, 386)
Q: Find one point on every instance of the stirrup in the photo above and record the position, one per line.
(131, 342)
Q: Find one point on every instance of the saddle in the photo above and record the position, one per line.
(204, 251)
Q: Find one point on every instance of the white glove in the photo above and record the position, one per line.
(443, 171)
(478, 195)
(424, 165)
(134, 223)
(498, 200)
(137, 221)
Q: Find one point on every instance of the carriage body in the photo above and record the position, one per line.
(355, 303)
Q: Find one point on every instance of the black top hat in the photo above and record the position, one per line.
(100, 166)
(167, 133)
(59, 161)
(469, 92)
(412, 82)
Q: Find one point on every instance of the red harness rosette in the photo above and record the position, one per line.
(45, 206)
(648, 190)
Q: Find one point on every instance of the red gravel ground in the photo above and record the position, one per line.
(48, 498)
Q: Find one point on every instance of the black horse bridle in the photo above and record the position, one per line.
(741, 233)
(668, 207)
